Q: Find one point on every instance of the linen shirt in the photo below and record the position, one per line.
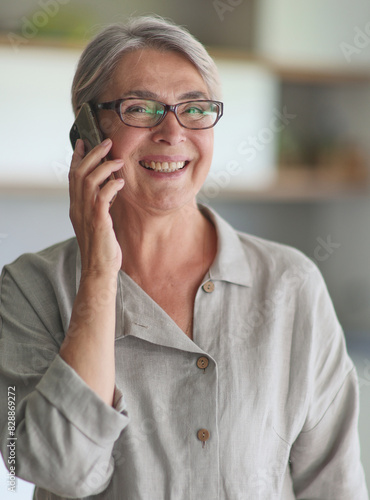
(261, 404)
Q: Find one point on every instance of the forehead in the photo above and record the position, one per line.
(164, 75)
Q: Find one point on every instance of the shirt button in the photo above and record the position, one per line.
(202, 362)
(203, 435)
(209, 286)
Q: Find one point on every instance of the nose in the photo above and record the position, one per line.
(169, 130)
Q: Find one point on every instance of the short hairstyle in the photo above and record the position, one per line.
(101, 56)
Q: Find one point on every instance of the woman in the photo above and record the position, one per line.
(161, 354)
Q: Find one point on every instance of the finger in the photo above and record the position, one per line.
(80, 147)
(106, 195)
(100, 150)
(88, 161)
(101, 173)
(78, 152)
(82, 166)
(77, 157)
(93, 185)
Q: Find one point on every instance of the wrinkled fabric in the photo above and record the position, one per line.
(278, 398)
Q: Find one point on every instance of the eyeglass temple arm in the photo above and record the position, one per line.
(106, 105)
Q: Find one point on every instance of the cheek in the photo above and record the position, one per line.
(206, 146)
(125, 145)
(125, 139)
(109, 124)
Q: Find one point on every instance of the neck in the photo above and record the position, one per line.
(156, 242)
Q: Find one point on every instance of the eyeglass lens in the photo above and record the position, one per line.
(147, 113)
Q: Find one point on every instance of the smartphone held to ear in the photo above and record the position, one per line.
(86, 128)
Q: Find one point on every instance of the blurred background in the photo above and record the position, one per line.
(292, 155)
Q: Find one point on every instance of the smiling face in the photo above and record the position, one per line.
(170, 78)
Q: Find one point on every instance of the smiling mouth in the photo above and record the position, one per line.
(166, 166)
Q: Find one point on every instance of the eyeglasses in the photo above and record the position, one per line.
(146, 113)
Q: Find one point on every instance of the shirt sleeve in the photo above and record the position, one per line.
(65, 433)
(325, 457)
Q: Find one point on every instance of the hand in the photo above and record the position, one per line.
(89, 208)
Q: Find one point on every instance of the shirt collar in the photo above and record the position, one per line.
(231, 262)
(230, 265)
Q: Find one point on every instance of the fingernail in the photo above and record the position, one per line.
(118, 161)
(106, 142)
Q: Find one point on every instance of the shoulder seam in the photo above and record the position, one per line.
(351, 371)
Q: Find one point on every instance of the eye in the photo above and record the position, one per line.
(136, 109)
(193, 110)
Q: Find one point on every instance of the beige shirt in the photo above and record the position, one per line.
(261, 404)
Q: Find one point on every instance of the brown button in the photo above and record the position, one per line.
(203, 435)
(209, 286)
(202, 362)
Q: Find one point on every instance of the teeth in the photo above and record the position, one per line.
(164, 166)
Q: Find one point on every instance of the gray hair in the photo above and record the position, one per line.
(103, 53)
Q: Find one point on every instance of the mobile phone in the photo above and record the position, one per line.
(86, 128)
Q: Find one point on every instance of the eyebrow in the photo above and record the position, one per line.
(147, 94)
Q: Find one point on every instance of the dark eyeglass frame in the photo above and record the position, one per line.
(116, 106)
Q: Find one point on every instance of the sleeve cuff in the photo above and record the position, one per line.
(79, 404)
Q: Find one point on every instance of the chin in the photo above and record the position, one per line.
(172, 202)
